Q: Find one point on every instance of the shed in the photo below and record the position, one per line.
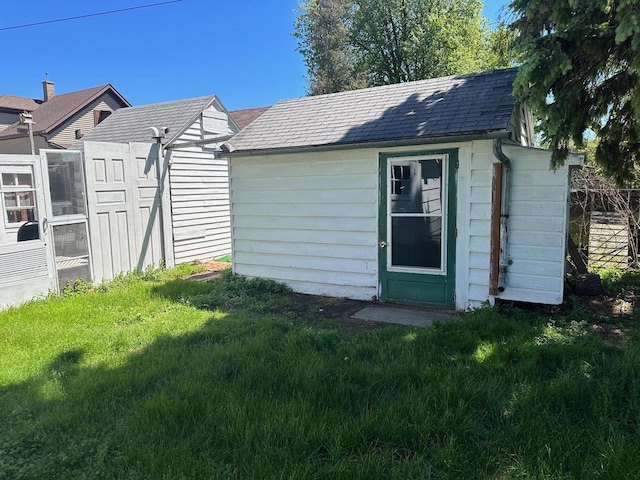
(425, 193)
(144, 187)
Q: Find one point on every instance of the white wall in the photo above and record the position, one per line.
(310, 220)
(200, 194)
(538, 219)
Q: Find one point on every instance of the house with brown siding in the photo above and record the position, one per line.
(58, 120)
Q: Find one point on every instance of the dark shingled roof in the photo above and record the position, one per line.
(132, 124)
(468, 104)
(246, 116)
(12, 102)
(59, 108)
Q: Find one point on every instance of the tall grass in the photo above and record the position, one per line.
(165, 378)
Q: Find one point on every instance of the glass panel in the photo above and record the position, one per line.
(416, 187)
(10, 200)
(416, 242)
(8, 179)
(72, 253)
(24, 179)
(19, 216)
(17, 179)
(66, 184)
(26, 199)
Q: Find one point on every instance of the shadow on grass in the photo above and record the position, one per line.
(257, 395)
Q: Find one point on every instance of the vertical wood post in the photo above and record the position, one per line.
(496, 209)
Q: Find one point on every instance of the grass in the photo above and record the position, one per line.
(156, 377)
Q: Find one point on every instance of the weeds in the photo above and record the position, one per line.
(616, 280)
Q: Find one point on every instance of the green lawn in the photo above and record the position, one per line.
(155, 377)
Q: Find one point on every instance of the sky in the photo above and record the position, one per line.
(242, 51)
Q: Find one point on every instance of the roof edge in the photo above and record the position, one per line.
(503, 134)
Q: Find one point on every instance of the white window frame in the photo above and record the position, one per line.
(400, 161)
(17, 170)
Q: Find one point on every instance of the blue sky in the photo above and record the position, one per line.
(240, 50)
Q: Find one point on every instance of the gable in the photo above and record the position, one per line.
(196, 118)
(84, 120)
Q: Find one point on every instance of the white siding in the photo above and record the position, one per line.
(474, 226)
(537, 227)
(309, 221)
(200, 194)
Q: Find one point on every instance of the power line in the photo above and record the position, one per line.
(88, 15)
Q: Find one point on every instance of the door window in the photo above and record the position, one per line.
(66, 183)
(416, 197)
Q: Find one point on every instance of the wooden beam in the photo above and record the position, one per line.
(496, 209)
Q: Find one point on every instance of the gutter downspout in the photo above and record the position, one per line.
(499, 216)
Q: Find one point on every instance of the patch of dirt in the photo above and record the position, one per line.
(332, 312)
(211, 271)
(608, 316)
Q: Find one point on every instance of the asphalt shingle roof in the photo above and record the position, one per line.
(456, 105)
(57, 109)
(132, 124)
(13, 102)
(246, 116)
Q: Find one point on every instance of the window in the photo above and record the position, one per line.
(18, 196)
(100, 115)
(416, 220)
(66, 183)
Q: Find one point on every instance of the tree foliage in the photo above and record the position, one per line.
(322, 28)
(579, 72)
(353, 43)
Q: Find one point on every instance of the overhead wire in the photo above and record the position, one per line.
(13, 27)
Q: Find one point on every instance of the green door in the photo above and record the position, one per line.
(417, 228)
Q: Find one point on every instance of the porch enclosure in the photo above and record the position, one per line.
(68, 217)
(26, 267)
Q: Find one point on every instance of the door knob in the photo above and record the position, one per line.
(383, 244)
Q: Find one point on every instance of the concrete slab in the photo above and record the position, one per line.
(403, 316)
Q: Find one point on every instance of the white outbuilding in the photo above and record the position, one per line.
(146, 186)
(425, 193)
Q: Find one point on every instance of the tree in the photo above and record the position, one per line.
(353, 43)
(322, 30)
(579, 72)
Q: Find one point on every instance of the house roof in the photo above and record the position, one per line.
(132, 124)
(60, 108)
(246, 116)
(12, 102)
(470, 104)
